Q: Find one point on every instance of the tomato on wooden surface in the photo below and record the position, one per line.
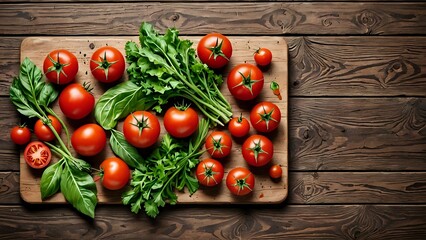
(181, 121)
(89, 139)
(215, 50)
(239, 126)
(209, 172)
(37, 155)
(257, 150)
(43, 132)
(240, 181)
(218, 144)
(76, 101)
(20, 135)
(107, 64)
(263, 56)
(114, 173)
(141, 129)
(275, 171)
(60, 66)
(265, 116)
(245, 81)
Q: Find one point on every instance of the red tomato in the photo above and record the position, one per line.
(215, 50)
(20, 135)
(107, 64)
(37, 155)
(89, 139)
(275, 171)
(257, 150)
(240, 181)
(263, 57)
(60, 66)
(115, 173)
(180, 122)
(76, 101)
(209, 172)
(245, 81)
(141, 129)
(218, 144)
(43, 132)
(239, 126)
(265, 117)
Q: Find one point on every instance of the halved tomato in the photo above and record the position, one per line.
(37, 155)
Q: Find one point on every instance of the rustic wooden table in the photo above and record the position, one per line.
(357, 118)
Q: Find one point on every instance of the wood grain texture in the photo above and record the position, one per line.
(219, 222)
(227, 18)
(9, 188)
(320, 66)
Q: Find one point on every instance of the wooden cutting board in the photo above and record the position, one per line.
(266, 190)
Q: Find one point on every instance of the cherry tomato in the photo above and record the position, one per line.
(245, 81)
(218, 144)
(60, 66)
(239, 126)
(115, 173)
(37, 155)
(263, 57)
(257, 150)
(107, 64)
(76, 101)
(89, 139)
(141, 129)
(43, 132)
(215, 50)
(240, 181)
(20, 135)
(275, 171)
(265, 116)
(181, 122)
(209, 172)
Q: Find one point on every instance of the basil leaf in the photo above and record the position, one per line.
(50, 180)
(30, 80)
(126, 151)
(48, 95)
(21, 103)
(79, 189)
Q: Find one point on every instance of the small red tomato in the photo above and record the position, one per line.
(60, 66)
(20, 135)
(257, 150)
(89, 139)
(43, 132)
(239, 126)
(37, 155)
(107, 64)
(209, 172)
(245, 81)
(265, 116)
(115, 174)
(218, 144)
(141, 129)
(263, 57)
(76, 101)
(215, 50)
(275, 171)
(240, 181)
(181, 122)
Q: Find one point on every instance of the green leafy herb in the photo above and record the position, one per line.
(51, 179)
(125, 151)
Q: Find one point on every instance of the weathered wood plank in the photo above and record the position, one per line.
(312, 187)
(219, 222)
(325, 134)
(190, 1)
(320, 66)
(228, 18)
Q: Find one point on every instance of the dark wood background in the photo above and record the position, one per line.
(357, 119)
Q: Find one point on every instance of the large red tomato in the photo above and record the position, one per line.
(180, 122)
(60, 66)
(257, 150)
(89, 139)
(115, 173)
(245, 81)
(76, 101)
(265, 116)
(141, 129)
(218, 144)
(209, 172)
(240, 181)
(43, 132)
(107, 64)
(37, 155)
(215, 50)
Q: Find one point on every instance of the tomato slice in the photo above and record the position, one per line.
(37, 155)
